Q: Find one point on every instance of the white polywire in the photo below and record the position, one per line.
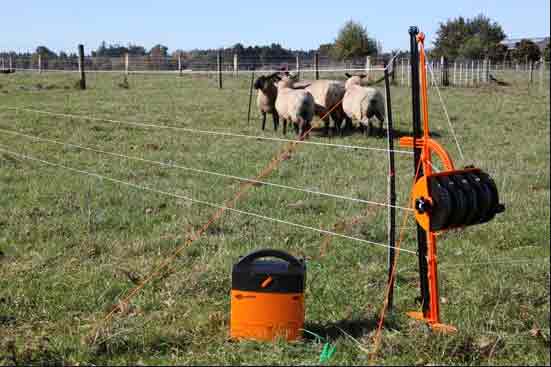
(171, 165)
(196, 131)
(202, 202)
(446, 113)
(197, 72)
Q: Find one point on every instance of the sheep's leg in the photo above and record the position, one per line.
(326, 123)
(348, 125)
(275, 117)
(381, 118)
(369, 127)
(263, 120)
(337, 120)
(284, 127)
(296, 128)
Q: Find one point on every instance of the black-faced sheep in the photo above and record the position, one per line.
(266, 97)
(362, 103)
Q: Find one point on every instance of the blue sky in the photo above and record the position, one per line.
(62, 24)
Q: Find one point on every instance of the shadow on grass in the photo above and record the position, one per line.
(397, 133)
(355, 328)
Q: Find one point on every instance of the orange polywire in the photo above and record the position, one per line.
(267, 170)
(390, 283)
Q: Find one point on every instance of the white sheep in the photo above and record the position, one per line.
(328, 95)
(294, 104)
(266, 97)
(362, 103)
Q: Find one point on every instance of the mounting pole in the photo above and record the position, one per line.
(417, 168)
(426, 237)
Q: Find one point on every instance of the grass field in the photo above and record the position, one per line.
(72, 244)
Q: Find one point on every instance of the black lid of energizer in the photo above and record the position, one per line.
(284, 274)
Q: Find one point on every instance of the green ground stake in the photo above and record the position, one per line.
(328, 349)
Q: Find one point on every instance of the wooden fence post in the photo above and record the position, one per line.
(531, 71)
(219, 63)
(81, 67)
(317, 65)
(445, 72)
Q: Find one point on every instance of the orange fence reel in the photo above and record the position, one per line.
(444, 200)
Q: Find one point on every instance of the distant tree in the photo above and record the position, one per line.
(159, 51)
(546, 52)
(158, 55)
(353, 41)
(45, 52)
(238, 49)
(499, 53)
(470, 38)
(136, 50)
(327, 49)
(527, 51)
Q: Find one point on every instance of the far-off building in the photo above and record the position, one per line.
(512, 43)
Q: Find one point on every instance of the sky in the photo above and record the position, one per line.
(62, 24)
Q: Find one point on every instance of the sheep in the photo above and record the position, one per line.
(294, 104)
(328, 95)
(362, 103)
(266, 97)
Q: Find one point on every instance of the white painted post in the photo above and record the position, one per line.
(367, 66)
(542, 70)
(298, 66)
(180, 63)
(39, 63)
(408, 73)
(442, 71)
(235, 64)
(11, 63)
(431, 78)
(402, 73)
(454, 72)
(461, 74)
(126, 63)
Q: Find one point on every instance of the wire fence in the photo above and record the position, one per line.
(459, 73)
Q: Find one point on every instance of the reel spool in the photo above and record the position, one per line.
(456, 198)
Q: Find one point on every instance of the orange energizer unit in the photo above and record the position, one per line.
(267, 296)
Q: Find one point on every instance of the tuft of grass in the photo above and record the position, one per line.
(71, 245)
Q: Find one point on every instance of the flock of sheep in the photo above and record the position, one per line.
(283, 96)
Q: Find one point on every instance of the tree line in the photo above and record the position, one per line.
(457, 38)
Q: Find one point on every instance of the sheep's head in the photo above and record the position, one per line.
(288, 80)
(265, 81)
(354, 79)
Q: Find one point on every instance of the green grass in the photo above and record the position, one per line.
(68, 241)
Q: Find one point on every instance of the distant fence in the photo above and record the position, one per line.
(459, 73)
